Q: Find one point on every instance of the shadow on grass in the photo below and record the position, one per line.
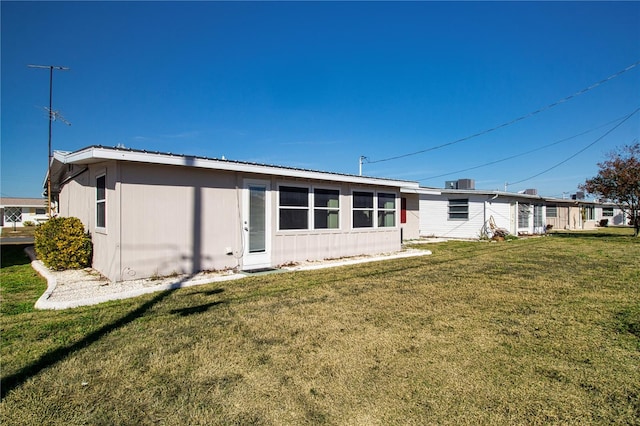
(13, 255)
(53, 357)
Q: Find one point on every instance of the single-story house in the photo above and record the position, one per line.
(582, 214)
(18, 211)
(152, 213)
(471, 213)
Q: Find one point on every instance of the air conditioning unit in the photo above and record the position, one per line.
(531, 191)
(578, 195)
(466, 184)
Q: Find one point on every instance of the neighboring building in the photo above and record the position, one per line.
(470, 213)
(614, 214)
(159, 213)
(17, 211)
(582, 214)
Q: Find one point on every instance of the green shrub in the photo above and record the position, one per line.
(28, 223)
(61, 243)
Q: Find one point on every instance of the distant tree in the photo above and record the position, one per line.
(619, 181)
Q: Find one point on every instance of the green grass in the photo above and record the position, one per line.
(533, 331)
(20, 284)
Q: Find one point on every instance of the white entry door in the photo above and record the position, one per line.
(256, 225)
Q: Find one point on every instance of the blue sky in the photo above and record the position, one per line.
(317, 85)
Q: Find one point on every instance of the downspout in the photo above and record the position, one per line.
(484, 226)
(483, 231)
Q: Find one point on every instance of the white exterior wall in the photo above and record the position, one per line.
(617, 219)
(500, 210)
(504, 210)
(434, 216)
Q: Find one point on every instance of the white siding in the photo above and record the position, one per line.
(618, 217)
(434, 216)
(500, 210)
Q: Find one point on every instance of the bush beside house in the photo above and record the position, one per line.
(61, 243)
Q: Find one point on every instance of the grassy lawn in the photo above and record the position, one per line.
(533, 331)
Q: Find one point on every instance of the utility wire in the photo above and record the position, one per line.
(523, 153)
(579, 152)
(515, 120)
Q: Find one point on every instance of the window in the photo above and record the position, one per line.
(552, 211)
(589, 213)
(13, 214)
(537, 216)
(294, 207)
(326, 209)
(101, 201)
(362, 209)
(607, 212)
(257, 218)
(41, 211)
(459, 209)
(523, 215)
(386, 210)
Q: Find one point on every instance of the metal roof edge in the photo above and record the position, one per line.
(98, 153)
(420, 190)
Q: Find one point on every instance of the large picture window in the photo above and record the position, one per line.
(459, 209)
(386, 210)
(101, 201)
(362, 209)
(294, 207)
(326, 208)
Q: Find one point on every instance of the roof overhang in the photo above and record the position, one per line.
(22, 202)
(420, 190)
(96, 154)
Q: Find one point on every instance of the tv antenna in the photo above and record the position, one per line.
(56, 116)
(52, 114)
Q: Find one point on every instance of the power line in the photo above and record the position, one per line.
(579, 152)
(523, 153)
(515, 120)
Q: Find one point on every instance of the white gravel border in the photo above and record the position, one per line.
(83, 287)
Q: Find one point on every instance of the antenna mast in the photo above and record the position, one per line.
(52, 115)
(360, 161)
